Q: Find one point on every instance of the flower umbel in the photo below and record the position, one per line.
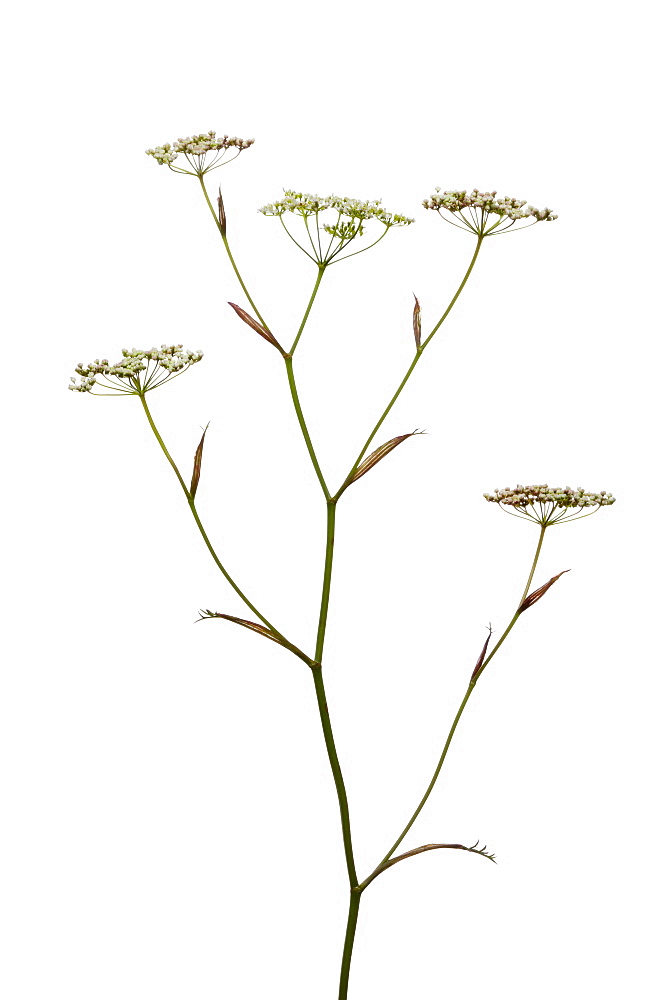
(138, 372)
(549, 504)
(474, 208)
(352, 217)
(196, 149)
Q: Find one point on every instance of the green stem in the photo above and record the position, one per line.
(303, 426)
(230, 256)
(322, 268)
(414, 363)
(524, 594)
(337, 772)
(470, 688)
(196, 517)
(288, 359)
(327, 577)
(354, 905)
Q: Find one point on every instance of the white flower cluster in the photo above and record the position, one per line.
(125, 376)
(311, 204)
(341, 233)
(554, 503)
(195, 149)
(482, 204)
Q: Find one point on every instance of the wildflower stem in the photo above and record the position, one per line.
(322, 268)
(460, 710)
(327, 576)
(192, 507)
(335, 766)
(230, 255)
(354, 906)
(415, 362)
(288, 359)
(303, 425)
(336, 771)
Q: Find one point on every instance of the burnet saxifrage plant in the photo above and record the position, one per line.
(328, 230)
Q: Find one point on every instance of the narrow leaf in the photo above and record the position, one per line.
(377, 455)
(256, 326)
(261, 629)
(481, 658)
(198, 456)
(421, 850)
(416, 322)
(221, 214)
(537, 594)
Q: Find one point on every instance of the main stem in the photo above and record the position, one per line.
(317, 672)
(354, 906)
(460, 710)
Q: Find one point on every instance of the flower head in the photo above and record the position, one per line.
(138, 371)
(196, 149)
(549, 504)
(352, 217)
(474, 208)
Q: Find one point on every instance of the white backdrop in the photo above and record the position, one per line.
(170, 827)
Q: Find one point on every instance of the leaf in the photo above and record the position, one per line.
(261, 629)
(263, 331)
(421, 850)
(377, 455)
(198, 456)
(221, 214)
(481, 658)
(416, 322)
(537, 594)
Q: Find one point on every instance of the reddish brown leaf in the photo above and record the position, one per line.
(481, 658)
(261, 629)
(221, 214)
(416, 322)
(377, 455)
(256, 326)
(537, 594)
(198, 457)
(254, 626)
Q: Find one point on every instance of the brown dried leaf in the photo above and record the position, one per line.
(416, 322)
(537, 594)
(256, 326)
(483, 651)
(261, 629)
(254, 626)
(198, 457)
(377, 455)
(421, 850)
(221, 214)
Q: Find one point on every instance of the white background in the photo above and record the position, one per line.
(170, 828)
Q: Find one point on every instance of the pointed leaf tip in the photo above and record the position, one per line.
(416, 322)
(260, 629)
(537, 594)
(263, 331)
(198, 458)
(221, 214)
(377, 455)
(479, 663)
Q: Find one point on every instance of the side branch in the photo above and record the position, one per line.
(420, 347)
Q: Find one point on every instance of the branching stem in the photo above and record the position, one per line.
(195, 515)
(460, 710)
(414, 363)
